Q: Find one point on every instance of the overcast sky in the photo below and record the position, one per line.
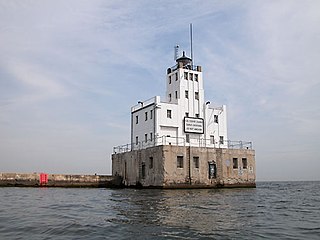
(71, 70)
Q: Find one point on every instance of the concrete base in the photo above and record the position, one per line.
(170, 166)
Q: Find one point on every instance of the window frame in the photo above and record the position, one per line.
(186, 94)
(180, 162)
(244, 163)
(216, 118)
(196, 161)
(235, 163)
(196, 95)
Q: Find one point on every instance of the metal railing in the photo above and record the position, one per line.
(181, 141)
(187, 66)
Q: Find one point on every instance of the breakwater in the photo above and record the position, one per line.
(56, 180)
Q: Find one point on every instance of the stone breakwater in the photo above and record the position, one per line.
(56, 180)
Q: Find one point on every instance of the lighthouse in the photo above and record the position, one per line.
(182, 140)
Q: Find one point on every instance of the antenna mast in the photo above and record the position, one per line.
(191, 42)
(176, 52)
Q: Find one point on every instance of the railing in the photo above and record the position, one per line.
(181, 141)
(187, 66)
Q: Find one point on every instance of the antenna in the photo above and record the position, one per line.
(191, 42)
(176, 52)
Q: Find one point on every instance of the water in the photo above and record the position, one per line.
(274, 210)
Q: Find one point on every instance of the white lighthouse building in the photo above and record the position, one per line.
(184, 118)
(182, 140)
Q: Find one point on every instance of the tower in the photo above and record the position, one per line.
(182, 141)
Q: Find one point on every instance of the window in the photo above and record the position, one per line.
(216, 118)
(143, 170)
(196, 162)
(176, 76)
(187, 114)
(168, 113)
(186, 76)
(176, 93)
(187, 138)
(197, 115)
(244, 163)
(151, 114)
(196, 77)
(169, 79)
(196, 95)
(191, 76)
(211, 139)
(150, 162)
(137, 140)
(151, 136)
(169, 97)
(146, 137)
(146, 116)
(186, 94)
(137, 119)
(179, 161)
(221, 140)
(235, 163)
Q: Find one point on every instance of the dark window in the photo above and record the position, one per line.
(146, 116)
(187, 138)
(176, 76)
(211, 139)
(137, 140)
(169, 79)
(197, 115)
(151, 136)
(196, 77)
(216, 118)
(179, 161)
(169, 97)
(151, 114)
(143, 170)
(196, 162)
(221, 140)
(187, 94)
(176, 92)
(137, 119)
(235, 163)
(146, 137)
(169, 113)
(186, 76)
(244, 163)
(191, 76)
(150, 162)
(196, 95)
(187, 114)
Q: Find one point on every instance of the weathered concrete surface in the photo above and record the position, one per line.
(57, 180)
(136, 169)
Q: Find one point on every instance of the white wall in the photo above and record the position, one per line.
(171, 129)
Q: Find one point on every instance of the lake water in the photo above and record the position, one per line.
(274, 210)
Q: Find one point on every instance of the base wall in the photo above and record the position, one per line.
(198, 167)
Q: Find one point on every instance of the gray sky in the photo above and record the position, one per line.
(71, 70)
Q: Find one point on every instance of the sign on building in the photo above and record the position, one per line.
(193, 125)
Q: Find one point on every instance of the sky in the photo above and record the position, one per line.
(71, 70)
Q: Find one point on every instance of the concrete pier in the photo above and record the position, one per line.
(56, 180)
